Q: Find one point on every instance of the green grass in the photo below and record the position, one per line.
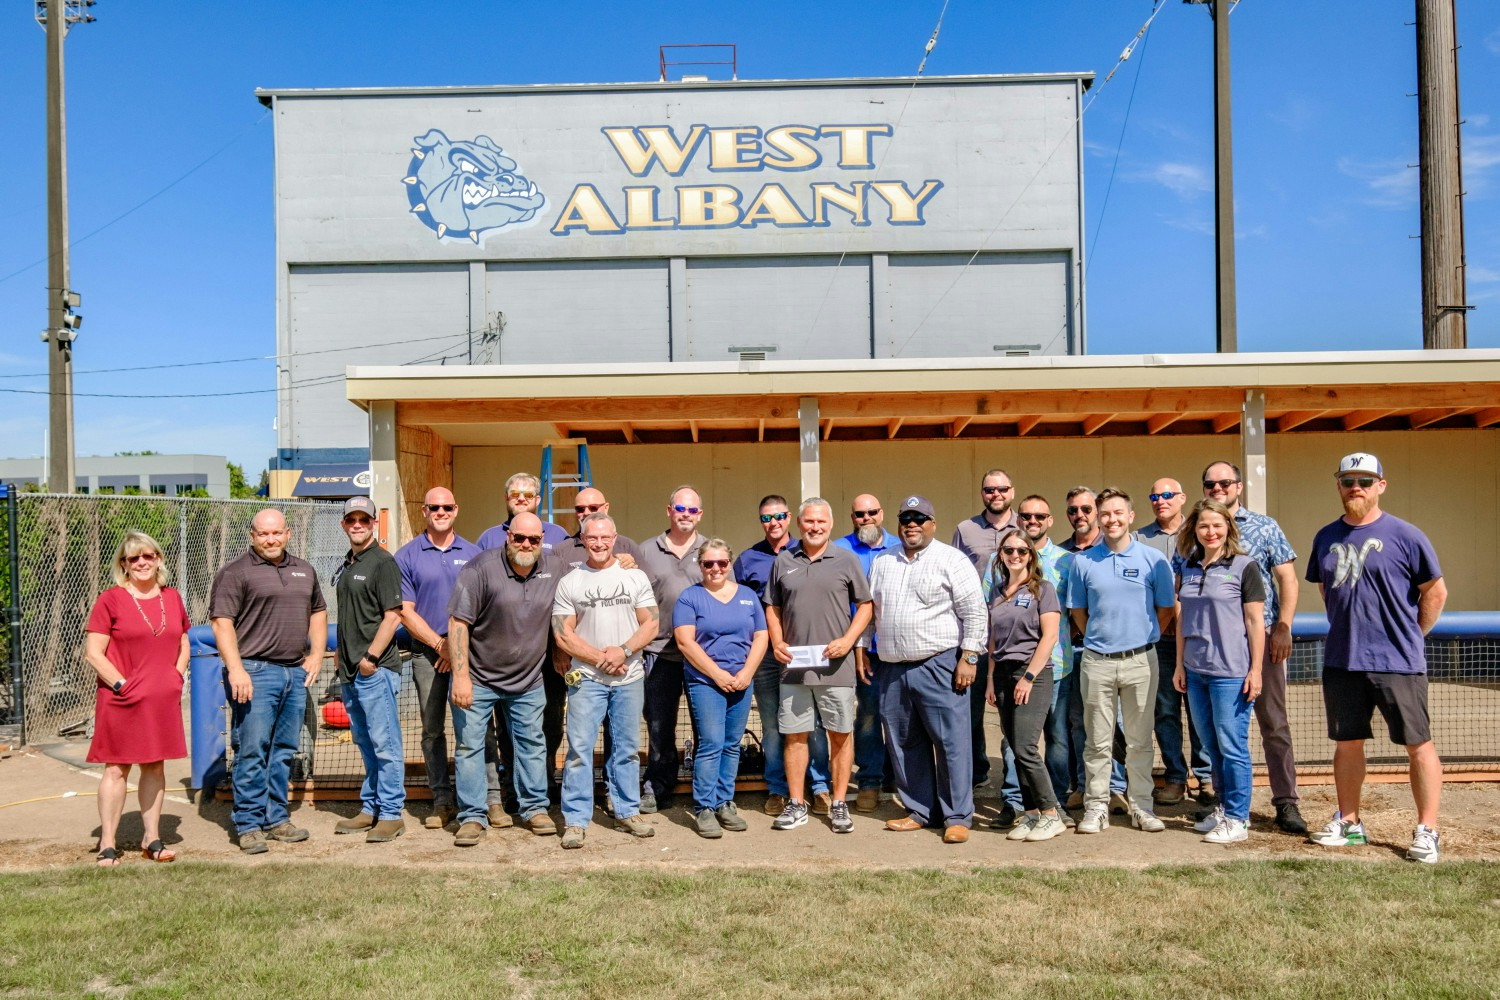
(1293, 929)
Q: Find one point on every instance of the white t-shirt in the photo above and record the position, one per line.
(603, 603)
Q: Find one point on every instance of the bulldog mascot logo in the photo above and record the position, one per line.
(463, 189)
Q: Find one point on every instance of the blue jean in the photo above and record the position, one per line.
(928, 722)
(869, 737)
(1059, 736)
(375, 725)
(527, 756)
(264, 732)
(1169, 705)
(719, 719)
(589, 705)
(1223, 714)
(767, 687)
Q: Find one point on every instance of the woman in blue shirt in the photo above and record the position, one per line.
(721, 629)
(1220, 641)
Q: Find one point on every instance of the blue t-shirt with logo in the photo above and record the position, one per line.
(725, 631)
(1370, 575)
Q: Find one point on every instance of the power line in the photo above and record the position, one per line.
(320, 380)
(1119, 144)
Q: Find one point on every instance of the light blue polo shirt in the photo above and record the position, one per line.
(1121, 592)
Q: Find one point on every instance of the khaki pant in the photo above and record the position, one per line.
(1131, 684)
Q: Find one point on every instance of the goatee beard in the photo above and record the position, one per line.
(519, 559)
(869, 534)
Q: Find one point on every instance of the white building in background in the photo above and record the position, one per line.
(153, 475)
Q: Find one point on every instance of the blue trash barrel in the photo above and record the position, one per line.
(206, 694)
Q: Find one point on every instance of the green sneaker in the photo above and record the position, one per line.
(1341, 833)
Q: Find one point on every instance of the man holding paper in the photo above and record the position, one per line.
(809, 596)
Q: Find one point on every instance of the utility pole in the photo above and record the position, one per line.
(1226, 337)
(62, 321)
(1444, 297)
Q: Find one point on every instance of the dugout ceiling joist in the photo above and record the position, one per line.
(1116, 396)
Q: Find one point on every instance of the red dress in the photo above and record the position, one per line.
(143, 723)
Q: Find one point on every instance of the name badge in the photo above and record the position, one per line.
(1131, 574)
(1023, 601)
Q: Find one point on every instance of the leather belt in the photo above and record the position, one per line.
(1123, 654)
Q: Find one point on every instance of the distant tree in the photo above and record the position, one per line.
(239, 488)
(131, 491)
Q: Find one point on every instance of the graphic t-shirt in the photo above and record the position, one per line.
(604, 602)
(725, 631)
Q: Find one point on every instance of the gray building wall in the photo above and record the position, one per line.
(162, 475)
(534, 224)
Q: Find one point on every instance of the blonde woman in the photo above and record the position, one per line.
(136, 641)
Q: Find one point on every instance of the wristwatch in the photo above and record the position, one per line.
(1029, 676)
(971, 658)
(626, 650)
(115, 687)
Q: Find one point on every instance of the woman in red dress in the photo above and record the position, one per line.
(137, 643)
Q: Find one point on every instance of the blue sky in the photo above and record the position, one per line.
(1324, 131)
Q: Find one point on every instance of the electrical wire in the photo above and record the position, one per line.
(1119, 144)
(320, 380)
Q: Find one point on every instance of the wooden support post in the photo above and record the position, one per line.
(385, 483)
(1253, 450)
(807, 422)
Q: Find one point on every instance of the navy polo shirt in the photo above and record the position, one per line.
(1121, 592)
(753, 566)
(428, 573)
(494, 538)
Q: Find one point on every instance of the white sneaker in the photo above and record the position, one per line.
(1341, 833)
(1229, 831)
(1045, 828)
(1023, 827)
(1424, 845)
(1095, 820)
(1210, 821)
(1145, 819)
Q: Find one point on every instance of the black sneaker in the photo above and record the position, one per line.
(1289, 818)
(729, 818)
(838, 816)
(708, 824)
(793, 816)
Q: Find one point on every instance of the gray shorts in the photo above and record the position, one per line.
(803, 705)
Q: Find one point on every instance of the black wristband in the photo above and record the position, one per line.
(1030, 677)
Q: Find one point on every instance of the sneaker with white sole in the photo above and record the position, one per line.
(1023, 827)
(1145, 819)
(1045, 828)
(1229, 831)
(1424, 845)
(793, 816)
(838, 817)
(1341, 833)
(1212, 820)
(1095, 820)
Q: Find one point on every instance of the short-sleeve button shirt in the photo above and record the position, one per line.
(813, 597)
(1265, 542)
(428, 574)
(369, 585)
(1214, 642)
(269, 603)
(1121, 592)
(510, 619)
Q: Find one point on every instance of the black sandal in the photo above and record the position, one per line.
(157, 851)
(108, 854)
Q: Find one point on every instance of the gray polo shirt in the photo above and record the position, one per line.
(270, 604)
(1016, 623)
(368, 585)
(978, 539)
(574, 553)
(669, 576)
(814, 597)
(1165, 542)
(1214, 640)
(510, 619)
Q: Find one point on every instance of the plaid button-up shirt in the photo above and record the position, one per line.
(926, 605)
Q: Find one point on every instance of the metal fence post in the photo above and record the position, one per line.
(13, 612)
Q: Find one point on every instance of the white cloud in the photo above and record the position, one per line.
(1481, 155)
(1492, 41)
(1297, 113)
(1185, 180)
(1481, 275)
(1388, 183)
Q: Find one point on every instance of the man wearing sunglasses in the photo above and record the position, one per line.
(1267, 544)
(500, 649)
(752, 568)
(574, 552)
(1384, 590)
(1167, 500)
(868, 540)
(429, 564)
(522, 496)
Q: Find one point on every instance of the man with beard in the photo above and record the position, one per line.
(429, 564)
(498, 626)
(929, 606)
(1267, 544)
(1384, 590)
(670, 561)
(868, 540)
(522, 496)
(753, 568)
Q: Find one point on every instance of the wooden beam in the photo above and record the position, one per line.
(760, 429)
(629, 433)
(828, 429)
(1025, 425)
(1224, 421)
(562, 430)
(1098, 420)
(693, 427)
(1488, 418)
(1359, 418)
(1296, 418)
(1162, 421)
(893, 426)
(957, 427)
(1424, 418)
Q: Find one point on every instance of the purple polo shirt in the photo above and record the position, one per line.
(494, 538)
(428, 574)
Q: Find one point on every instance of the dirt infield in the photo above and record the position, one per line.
(42, 826)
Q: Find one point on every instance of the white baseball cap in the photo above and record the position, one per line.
(1360, 461)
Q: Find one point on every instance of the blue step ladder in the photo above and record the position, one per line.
(553, 480)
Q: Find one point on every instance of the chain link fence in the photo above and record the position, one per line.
(64, 548)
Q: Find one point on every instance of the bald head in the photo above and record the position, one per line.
(268, 535)
(1168, 509)
(439, 494)
(439, 511)
(868, 518)
(523, 542)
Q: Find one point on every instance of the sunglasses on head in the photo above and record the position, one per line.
(996, 489)
(588, 508)
(679, 508)
(1222, 484)
(867, 513)
(528, 539)
(1011, 550)
(780, 515)
(446, 508)
(1079, 510)
(913, 518)
(1032, 517)
(714, 563)
(1164, 496)
(1363, 482)
(522, 494)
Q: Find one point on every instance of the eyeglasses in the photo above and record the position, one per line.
(867, 513)
(679, 508)
(996, 489)
(911, 517)
(1032, 517)
(448, 508)
(714, 563)
(1011, 550)
(1222, 484)
(358, 519)
(1079, 510)
(589, 508)
(528, 539)
(141, 557)
(522, 494)
(1363, 482)
(1164, 496)
(778, 516)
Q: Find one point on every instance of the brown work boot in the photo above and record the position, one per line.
(821, 803)
(868, 800)
(1171, 793)
(775, 805)
(385, 830)
(287, 833)
(635, 826)
(441, 815)
(354, 824)
(469, 834)
(542, 825)
(498, 817)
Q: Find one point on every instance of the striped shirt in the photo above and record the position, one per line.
(926, 605)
